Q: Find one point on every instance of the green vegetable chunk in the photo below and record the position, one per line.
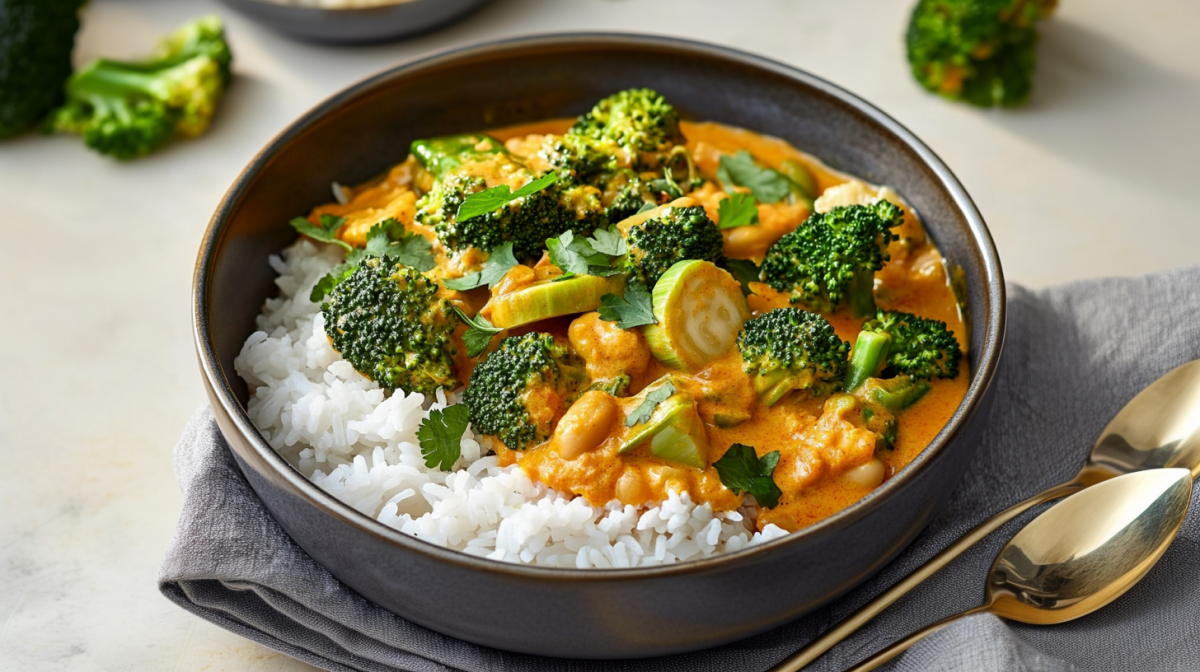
(36, 39)
(440, 436)
(667, 417)
(673, 234)
(637, 120)
(790, 349)
(129, 109)
(513, 394)
(551, 298)
(983, 52)
(899, 343)
(699, 310)
(388, 322)
(742, 470)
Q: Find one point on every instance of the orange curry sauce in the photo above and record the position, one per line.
(816, 450)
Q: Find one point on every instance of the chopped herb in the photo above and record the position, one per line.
(767, 185)
(479, 333)
(632, 310)
(646, 409)
(742, 470)
(386, 237)
(498, 263)
(667, 185)
(440, 436)
(608, 241)
(737, 210)
(576, 256)
(744, 271)
(326, 232)
(490, 200)
(646, 207)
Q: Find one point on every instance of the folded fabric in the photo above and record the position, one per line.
(1074, 355)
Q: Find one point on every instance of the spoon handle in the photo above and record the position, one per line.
(885, 599)
(902, 645)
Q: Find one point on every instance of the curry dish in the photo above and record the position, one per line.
(631, 304)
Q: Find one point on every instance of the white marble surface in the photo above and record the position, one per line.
(1097, 176)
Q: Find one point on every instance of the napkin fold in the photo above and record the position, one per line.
(1074, 355)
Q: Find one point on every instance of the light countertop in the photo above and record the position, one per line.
(1097, 176)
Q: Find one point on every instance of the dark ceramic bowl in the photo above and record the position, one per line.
(365, 25)
(363, 130)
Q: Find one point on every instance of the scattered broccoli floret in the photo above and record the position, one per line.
(791, 349)
(981, 51)
(830, 259)
(897, 343)
(519, 391)
(460, 162)
(883, 400)
(129, 109)
(387, 320)
(36, 39)
(640, 121)
(675, 235)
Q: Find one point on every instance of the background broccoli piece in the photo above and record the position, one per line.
(830, 259)
(639, 121)
(981, 51)
(678, 234)
(791, 349)
(127, 110)
(387, 320)
(901, 344)
(36, 39)
(518, 392)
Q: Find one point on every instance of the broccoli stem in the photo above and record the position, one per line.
(897, 393)
(870, 352)
(860, 294)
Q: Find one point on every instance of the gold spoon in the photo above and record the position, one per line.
(1079, 555)
(1160, 427)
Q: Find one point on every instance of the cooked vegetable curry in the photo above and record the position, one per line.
(592, 438)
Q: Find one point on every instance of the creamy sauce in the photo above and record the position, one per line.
(824, 455)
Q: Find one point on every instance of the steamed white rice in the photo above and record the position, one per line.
(360, 445)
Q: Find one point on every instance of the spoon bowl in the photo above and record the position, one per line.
(1079, 555)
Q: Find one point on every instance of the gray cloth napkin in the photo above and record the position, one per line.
(1074, 355)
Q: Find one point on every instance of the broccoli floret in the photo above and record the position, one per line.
(462, 165)
(388, 321)
(36, 39)
(637, 121)
(580, 161)
(675, 235)
(902, 344)
(831, 258)
(520, 390)
(127, 110)
(791, 349)
(981, 51)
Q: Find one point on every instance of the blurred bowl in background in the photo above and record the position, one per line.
(354, 25)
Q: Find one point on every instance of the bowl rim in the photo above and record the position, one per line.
(222, 392)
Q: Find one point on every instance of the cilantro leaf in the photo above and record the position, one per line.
(608, 241)
(767, 184)
(479, 332)
(490, 200)
(666, 184)
(440, 436)
(499, 262)
(632, 310)
(646, 409)
(576, 256)
(744, 271)
(647, 206)
(741, 470)
(389, 237)
(737, 210)
(326, 232)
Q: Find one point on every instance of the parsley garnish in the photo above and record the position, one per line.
(646, 409)
(737, 210)
(490, 200)
(440, 436)
(744, 271)
(632, 310)
(767, 184)
(479, 332)
(326, 232)
(608, 241)
(386, 237)
(576, 256)
(499, 262)
(741, 470)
